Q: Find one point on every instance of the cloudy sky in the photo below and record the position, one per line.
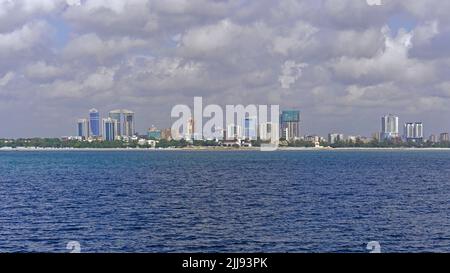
(343, 63)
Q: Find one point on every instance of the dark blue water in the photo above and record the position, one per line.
(317, 201)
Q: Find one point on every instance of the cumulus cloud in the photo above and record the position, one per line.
(23, 38)
(296, 38)
(43, 71)
(425, 32)
(290, 72)
(109, 18)
(92, 46)
(333, 59)
(211, 38)
(391, 63)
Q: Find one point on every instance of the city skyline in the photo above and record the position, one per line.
(249, 128)
(342, 64)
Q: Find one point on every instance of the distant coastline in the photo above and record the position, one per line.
(243, 149)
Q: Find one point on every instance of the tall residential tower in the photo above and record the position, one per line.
(413, 131)
(128, 123)
(83, 128)
(389, 127)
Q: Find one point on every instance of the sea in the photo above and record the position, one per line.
(225, 201)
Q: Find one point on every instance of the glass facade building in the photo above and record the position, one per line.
(94, 123)
(154, 134)
(290, 124)
(117, 115)
(250, 128)
(128, 123)
(109, 129)
(83, 128)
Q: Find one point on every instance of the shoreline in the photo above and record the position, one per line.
(217, 149)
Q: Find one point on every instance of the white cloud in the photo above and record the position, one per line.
(7, 78)
(102, 79)
(28, 6)
(90, 45)
(391, 63)
(425, 32)
(354, 43)
(290, 73)
(26, 37)
(374, 2)
(91, 85)
(31, 6)
(43, 71)
(112, 18)
(153, 53)
(296, 39)
(73, 2)
(210, 38)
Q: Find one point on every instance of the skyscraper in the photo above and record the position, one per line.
(267, 131)
(409, 130)
(189, 134)
(109, 128)
(166, 133)
(418, 130)
(83, 128)
(444, 137)
(413, 131)
(128, 123)
(335, 138)
(117, 115)
(94, 123)
(432, 139)
(389, 127)
(250, 128)
(290, 124)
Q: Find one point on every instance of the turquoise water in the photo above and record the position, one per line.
(178, 201)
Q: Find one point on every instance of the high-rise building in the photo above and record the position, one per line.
(352, 139)
(154, 133)
(376, 136)
(125, 122)
(290, 124)
(83, 128)
(233, 132)
(413, 131)
(94, 123)
(432, 139)
(189, 134)
(409, 130)
(109, 128)
(335, 138)
(267, 131)
(128, 123)
(418, 131)
(166, 134)
(444, 137)
(250, 128)
(117, 115)
(312, 138)
(389, 127)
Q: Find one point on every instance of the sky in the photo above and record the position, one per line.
(342, 63)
